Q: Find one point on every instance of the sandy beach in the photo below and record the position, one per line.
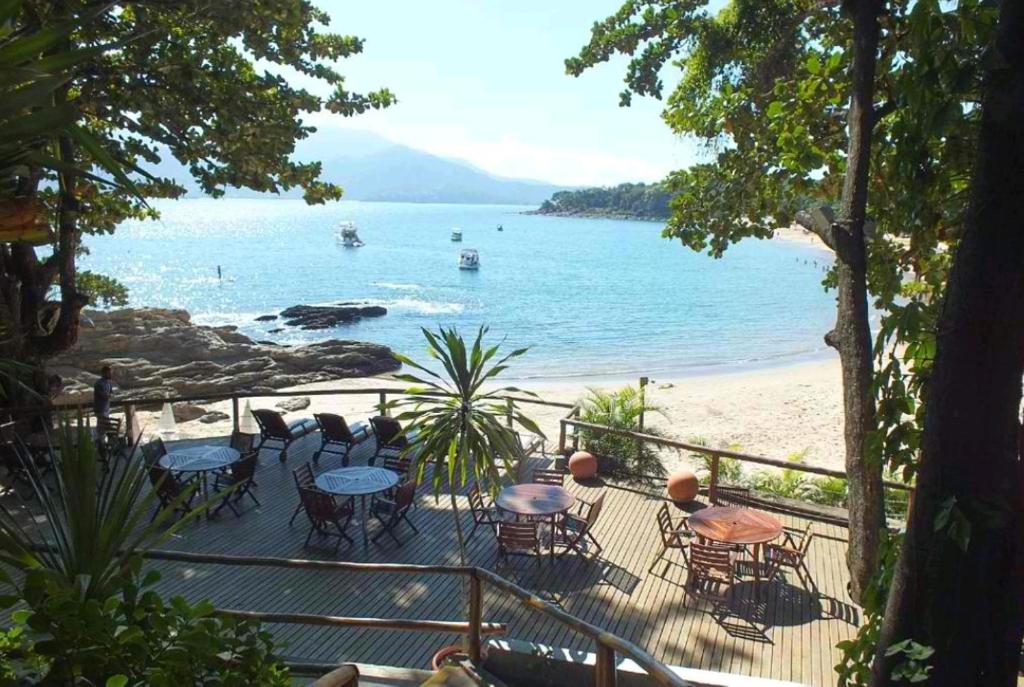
(773, 412)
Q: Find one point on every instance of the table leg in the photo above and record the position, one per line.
(362, 513)
(205, 491)
(552, 538)
(757, 571)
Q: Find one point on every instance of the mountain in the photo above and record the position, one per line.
(372, 168)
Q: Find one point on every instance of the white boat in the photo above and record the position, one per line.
(348, 236)
(457, 235)
(469, 259)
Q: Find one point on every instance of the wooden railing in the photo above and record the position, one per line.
(714, 454)
(608, 646)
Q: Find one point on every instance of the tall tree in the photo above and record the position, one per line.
(210, 83)
(957, 587)
(771, 102)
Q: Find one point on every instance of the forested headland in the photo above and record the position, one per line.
(625, 201)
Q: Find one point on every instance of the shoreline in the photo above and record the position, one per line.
(774, 412)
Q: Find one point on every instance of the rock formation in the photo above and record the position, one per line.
(327, 316)
(159, 352)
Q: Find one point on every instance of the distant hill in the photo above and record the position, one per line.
(625, 201)
(372, 168)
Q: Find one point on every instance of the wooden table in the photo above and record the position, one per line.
(735, 525)
(538, 501)
(357, 481)
(200, 460)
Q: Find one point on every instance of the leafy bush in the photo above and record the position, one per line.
(86, 613)
(134, 637)
(730, 470)
(620, 456)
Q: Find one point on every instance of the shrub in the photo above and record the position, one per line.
(730, 470)
(620, 456)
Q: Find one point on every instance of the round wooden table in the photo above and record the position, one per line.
(358, 481)
(735, 525)
(537, 501)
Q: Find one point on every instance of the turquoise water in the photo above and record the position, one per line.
(590, 297)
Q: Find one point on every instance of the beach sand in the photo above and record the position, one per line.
(773, 412)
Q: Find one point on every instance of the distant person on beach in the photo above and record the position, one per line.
(102, 391)
(218, 273)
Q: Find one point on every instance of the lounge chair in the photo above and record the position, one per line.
(336, 436)
(576, 529)
(387, 432)
(673, 536)
(274, 428)
(327, 517)
(518, 539)
(391, 512)
(240, 475)
(482, 513)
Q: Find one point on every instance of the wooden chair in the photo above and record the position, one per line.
(792, 553)
(240, 475)
(153, 451)
(548, 476)
(169, 489)
(304, 478)
(110, 442)
(327, 517)
(482, 513)
(274, 428)
(711, 569)
(336, 437)
(576, 529)
(387, 432)
(393, 511)
(673, 536)
(518, 539)
(400, 464)
(243, 443)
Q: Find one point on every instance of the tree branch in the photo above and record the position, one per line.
(819, 221)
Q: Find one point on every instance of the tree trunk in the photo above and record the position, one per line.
(963, 594)
(852, 334)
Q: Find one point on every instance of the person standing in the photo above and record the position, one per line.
(101, 393)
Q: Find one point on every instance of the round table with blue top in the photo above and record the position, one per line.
(200, 460)
(360, 481)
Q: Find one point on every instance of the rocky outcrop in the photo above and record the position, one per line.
(159, 352)
(289, 405)
(327, 316)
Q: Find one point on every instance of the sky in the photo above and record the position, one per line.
(484, 81)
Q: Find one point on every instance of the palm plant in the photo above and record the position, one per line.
(93, 522)
(456, 426)
(620, 409)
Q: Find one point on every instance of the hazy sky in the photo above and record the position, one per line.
(484, 81)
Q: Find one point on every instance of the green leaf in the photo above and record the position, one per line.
(117, 681)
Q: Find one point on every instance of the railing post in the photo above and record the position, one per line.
(562, 424)
(713, 480)
(475, 617)
(129, 421)
(382, 407)
(234, 413)
(604, 668)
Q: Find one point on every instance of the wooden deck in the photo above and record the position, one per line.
(788, 635)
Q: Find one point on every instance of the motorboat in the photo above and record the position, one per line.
(457, 235)
(501, 228)
(469, 259)
(348, 236)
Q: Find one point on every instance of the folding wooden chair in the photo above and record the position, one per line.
(548, 476)
(518, 539)
(391, 512)
(576, 529)
(673, 536)
(327, 517)
(169, 488)
(304, 478)
(792, 553)
(711, 569)
(482, 513)
(241, 475)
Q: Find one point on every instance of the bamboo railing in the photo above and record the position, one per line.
(608, 646)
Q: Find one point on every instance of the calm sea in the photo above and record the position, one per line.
(590, 297)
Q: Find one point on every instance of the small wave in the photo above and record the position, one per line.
(396, 286)
(221, 319)
(422, 307)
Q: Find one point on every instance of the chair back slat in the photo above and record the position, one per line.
(595, 511)
(154, 450)
(333, 428)
(711, 557)
(399, 464)
(319, 505)
(518, 534)
(272, 424)
(405, 493)
(304, 476)
(546, 476)
(476, 500)
(245, 469)
(165, 483)
(243, 443)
